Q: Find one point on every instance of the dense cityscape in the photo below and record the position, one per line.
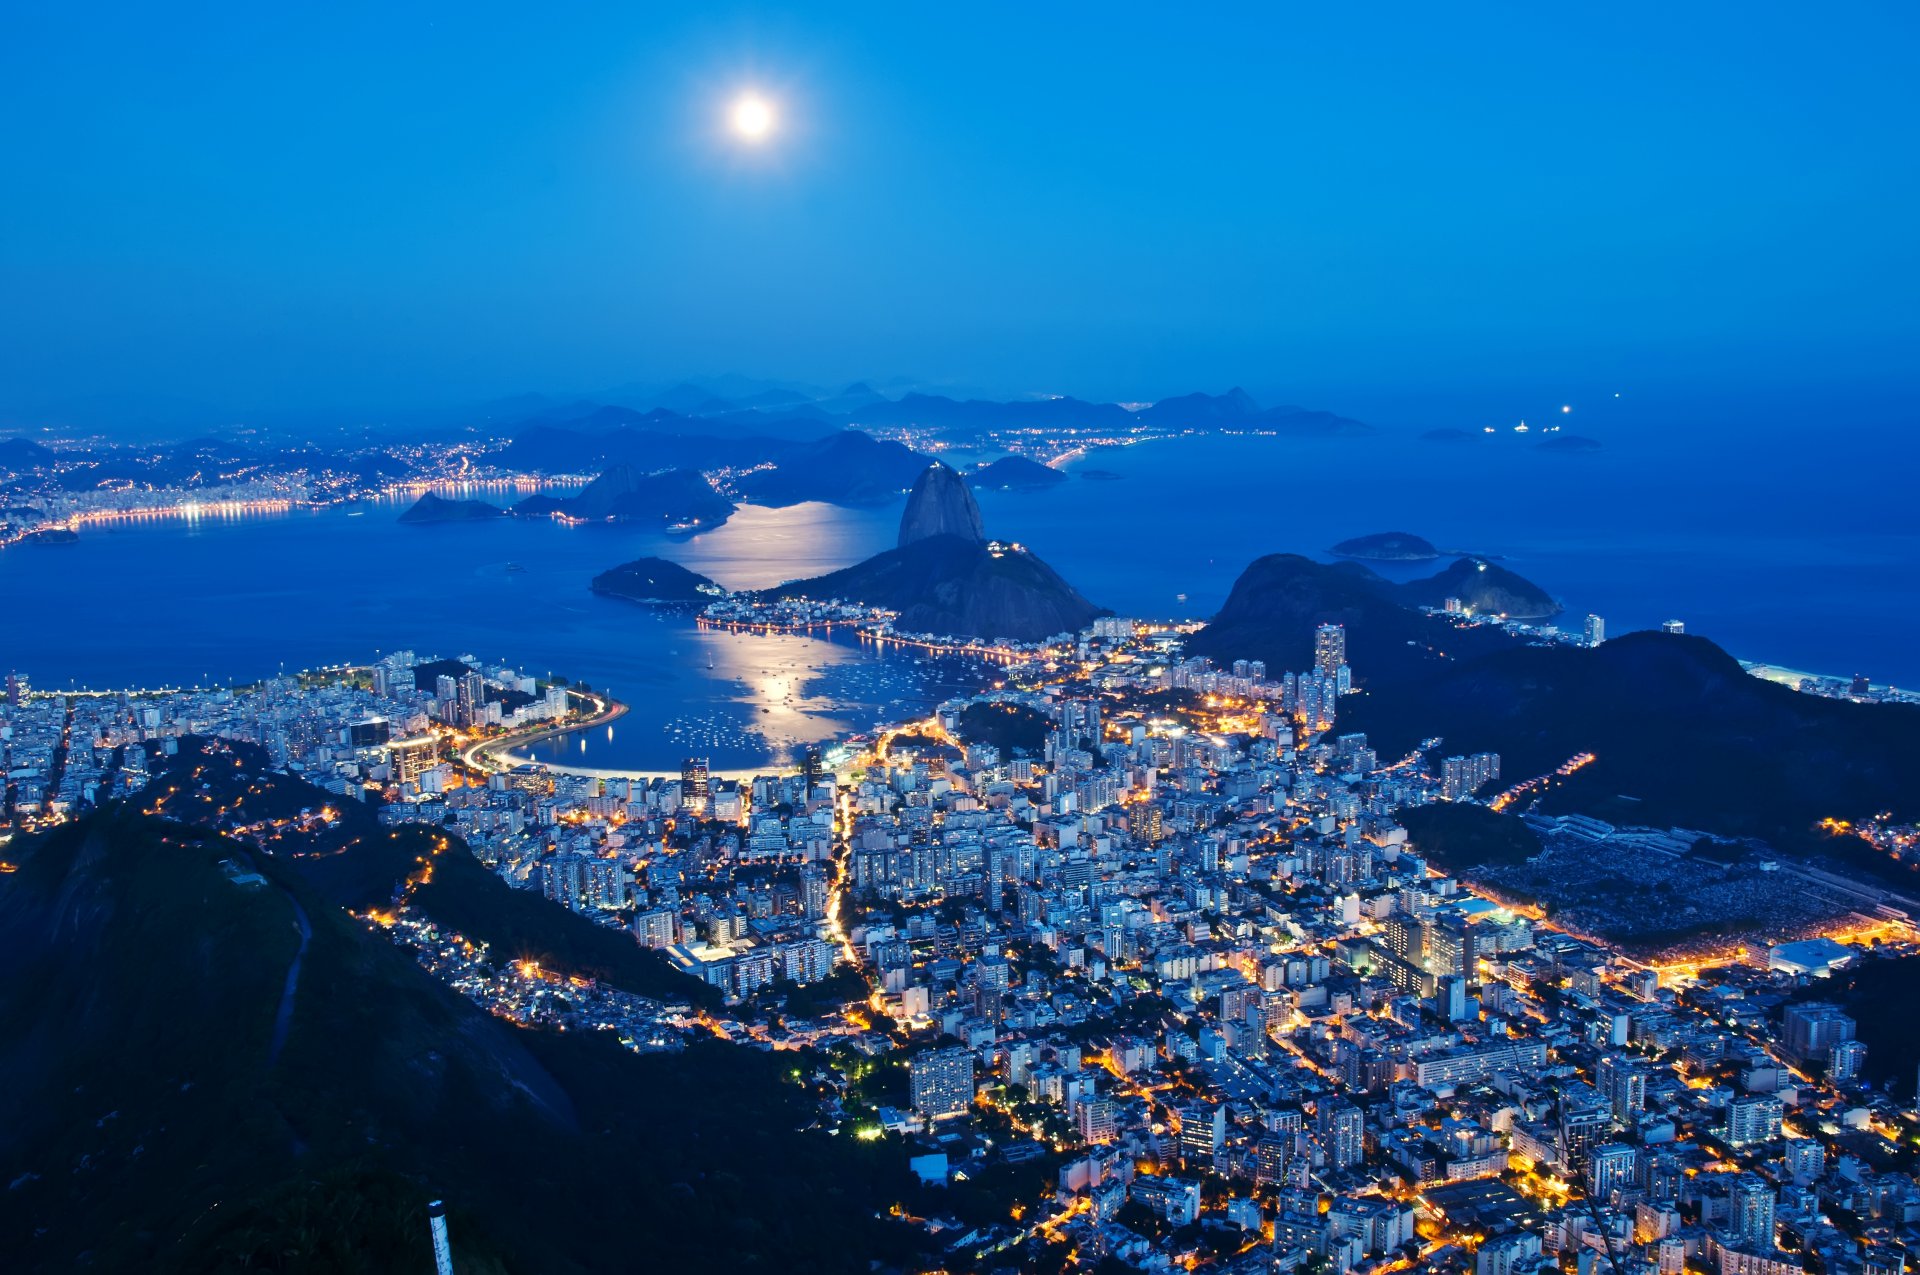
(1143, 932)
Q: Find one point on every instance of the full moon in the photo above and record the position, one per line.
(752, 118)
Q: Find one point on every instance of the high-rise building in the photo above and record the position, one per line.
(1504, 1254)
(1343, 1133)
(815, 891)
(1461, 777)
(1624, 1085)
(1753, 1119)
(1203, 1131)
(1811, 1029)
(1845, 1060)
(693, 783)
(1453, 950)
(1596, 630)
(1611, 1167)
(1750, 1223)
(1329, 649)
(942, 1083)
(1585, 1118)
(1806, 1160)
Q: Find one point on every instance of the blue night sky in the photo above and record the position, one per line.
(1413, 213)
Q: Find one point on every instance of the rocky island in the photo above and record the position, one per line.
(1387, 546)
(432, 508)
(1014, 472)
(946, 577)
(656, 582)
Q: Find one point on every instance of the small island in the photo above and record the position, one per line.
(1570, 444)
(1015, 472)
(435, 508)
(1387, 546)
(51, 536)
(656, 582)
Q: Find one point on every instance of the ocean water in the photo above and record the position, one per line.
(1801, 556)
(1783, 555)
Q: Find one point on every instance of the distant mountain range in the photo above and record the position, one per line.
(769, 415)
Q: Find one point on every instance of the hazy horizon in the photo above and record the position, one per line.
(336, 217)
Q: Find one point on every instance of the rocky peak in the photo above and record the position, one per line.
(940, 505)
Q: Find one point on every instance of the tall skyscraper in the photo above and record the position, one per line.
(1751, 1207)
(1343, 1133)
(1329, 649)
(1596, 630)
(693, 782)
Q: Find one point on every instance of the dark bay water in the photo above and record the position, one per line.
(1778, 555)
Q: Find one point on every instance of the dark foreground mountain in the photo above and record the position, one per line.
(435, 508)
(1279, 601)
(623, 494)
(940, 505)
(202, 1074)
(656, 580)
(1681, 734)
(1015, 472)
(945, 578)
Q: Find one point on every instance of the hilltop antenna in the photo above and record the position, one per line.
(437, 1225)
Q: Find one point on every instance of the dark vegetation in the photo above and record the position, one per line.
(653, 580)
(1280, 599)
(518, 925)
(1011, 728)
(1682, 736)
(1458, 836)
(148, 1124)
(1486, 588)
(1879, 994)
